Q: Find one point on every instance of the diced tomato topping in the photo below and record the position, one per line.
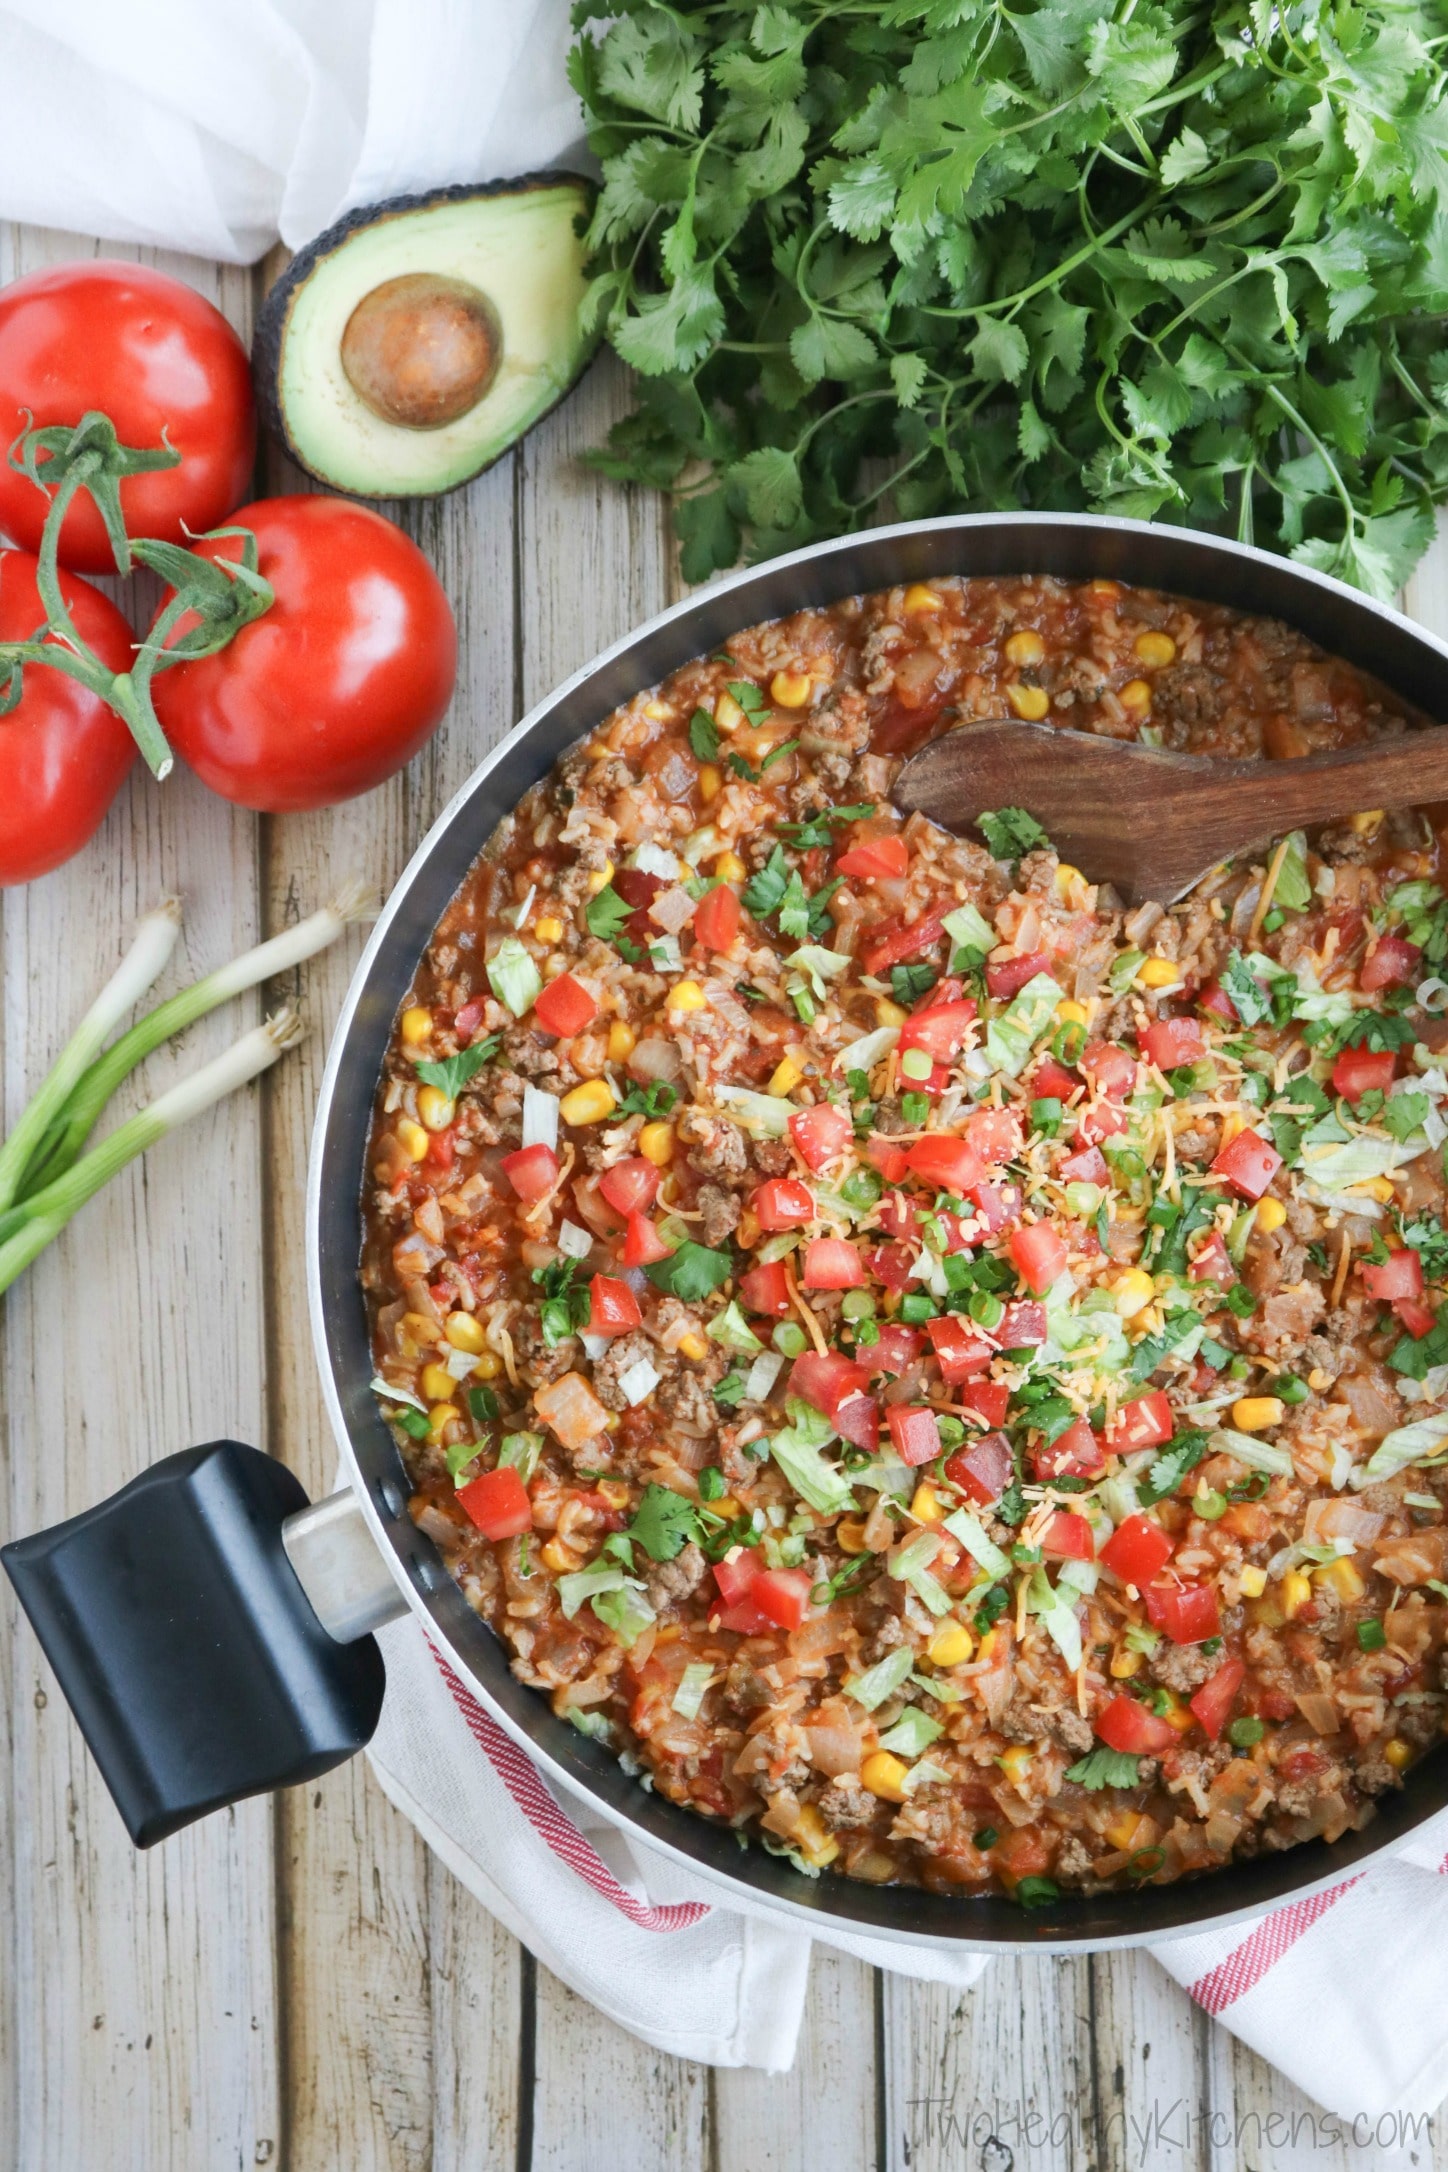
(1170, 1041)
(766, 1289)
(468, 1020)
(1104, 1121)
(1076, 1453)
(497, 1502)
(1051, 1081)
(1215, 998)
(642, 1244)
(1391, 963)
(1086, 1166)
(877, 859)
(858, 1421)
(1415, 1316)
(532, 1171)
(1039, 1255)
(914, 1432)
(891, 1264)
(1212, 1262)
(1187, 1612)
(1068, 1538)
(782, 1595)
(897, 1215)
(1142, 1423)
(1130, 1728)
(1214, 1700)
(1022, 1325)
(997, 1205)
(940, 1029)
(782, 1203)
(984, 1469)
(894, 1348)
(951, 1162)
(1108, 1065)
(987, 1398)
(896, 942)
(744, 1618)
(824, 1381)
(887, 1157)
(1009, 976)
(1248, 1163)
(630, 1185)
(638, 888)
(832, 1264)
(1137, 1551)
(612, 1307)
(1399, 1275)
(441, 1146)
(565, 1006)
(716, 917)
(736, 1573)
(820, 1133)
(1360, 1071)
(995, 1134)
(959, 1349)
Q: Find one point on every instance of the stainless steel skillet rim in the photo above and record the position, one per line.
(1081, 545)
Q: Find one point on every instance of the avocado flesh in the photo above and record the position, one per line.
(515, 245)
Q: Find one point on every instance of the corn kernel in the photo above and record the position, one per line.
(1342, 1576)
(787, 1075)
(1369, 820)
(1071, 1013)
(816, 1843)
(559, 1558)
(1132, 1829)
(1105, 588)
(489, 1366)
(416, 1024)
(850, 1536)
(657, 712)
(951, 1645)
(412, 1139)
(885, 1776)
(464, 1333)
(920, 598)
(1030, 702)
(1131, 1291)
(730, 868)
(1252, 1580)
(693, 1346)
(622, 1041)
(1015, 1763)
(1025, 648)
(1254, 1413)
(1398, 1753)
(1271, 1214)
(1179, 1715)
(437, 1383)
(1155, 650)
(1065, 876)
(727, 713)
(600, 878)
(988, 1645)
(726, 1506)
(687, 995)
(589, 1103)
(1373, 1188)
(1233, 1126)
(440, 1417)
(1296, 1593)
(656, 1144)
(1157, 973)
(925, 1504)
(790, 689)
(434, 1107)
(710, 782)
(614, 1491)
(1135, 696)
(888, 1013)
(1265, 1613)
(1124, 1663)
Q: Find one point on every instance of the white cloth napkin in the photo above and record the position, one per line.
(1343, 1991)
(215, 125)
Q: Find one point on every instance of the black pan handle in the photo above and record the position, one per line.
(185, 1643)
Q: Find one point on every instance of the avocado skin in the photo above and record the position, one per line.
(275, 313)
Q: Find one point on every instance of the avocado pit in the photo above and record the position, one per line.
(422, 349)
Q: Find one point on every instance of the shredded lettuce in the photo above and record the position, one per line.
(1057, 1612)
(969, 928)
(1334, 1168)
(689, 1695)
(1292, 887)
(395, 1395)
(973, 1536)
(912, 1734)
(732, 1329)
(1258, 1455)
(864, 1054)
(821, 965)
(522, 1451)
(625, 1611)
(763, 1113)
(1404, 1445)
(763, 1373)
(797, 1452)
(583, 1584)
(1014, 1032)
(910, 1564)
(513, 977)
(882, 1680)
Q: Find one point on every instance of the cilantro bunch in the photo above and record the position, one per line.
(1150, 259)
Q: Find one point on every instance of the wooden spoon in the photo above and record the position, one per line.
(1154, 823)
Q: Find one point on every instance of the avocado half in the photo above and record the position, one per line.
(404, 350)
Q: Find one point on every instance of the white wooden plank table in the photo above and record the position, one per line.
(297, 1984)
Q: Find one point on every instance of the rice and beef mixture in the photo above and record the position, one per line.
(942, 1369)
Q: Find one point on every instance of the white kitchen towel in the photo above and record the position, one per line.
(1345, 1991)
(215, 128)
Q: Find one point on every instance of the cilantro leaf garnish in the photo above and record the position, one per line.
(817, 833)
(663, 1523)
(751, 699)
(564, 1308)
(909, 982)
(764, 890)
(1105, 1768)
(1182, 1454)
(1010, 832)
(452, 1074)
(606, 914)
(730, 1390)
(1403, 1114)
(704, 736)
(1250, 999)
(692, 1272)
(650, 1101)
(748, 771)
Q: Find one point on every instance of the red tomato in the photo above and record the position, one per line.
(997, 1205)
(532, 1171)
(630, 1185)
(987, 1398)
(895, 942)
(1068, 1538)
(858, 1421)
(984, 1469)
(1248, 1163)
(820, 1133)
(1215, 998)
(1391, 963)
(468, 1020)
(1170, 1041)
(612, 1307)
(766, 1289)
(497, 1502)
(1212, 1262)
(642, 1244)
(637, 887)
(341, 681)
(1104, 1121)
(1009, 977)
(1399, 1275)
(1187, 1612)
(1128, 1727)
(1086, 1166)
(1143, 1423)
(1108, 1066)
(951, 1162)
(63, 753)
(959, 1350)
(716, 920)
(1213, 1701)
(1039, 1255)
(1360, 1071)
(782, 1203)
(995, 1134)
(914, 1432)
(161, 362)
(1416, 1317)
(894, 1348)
(878, 859)
(565, 1006)
(887, 1157)
(1137, 1551)
(940, 1029)
(1076, 1453)
(1022, 1325)
(440, 1147)
(891, 1264)
(897, 1215)
(1051, 1081)
(781, 1595)
(736, 1573)
(832, 1264)
(826, 1380)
